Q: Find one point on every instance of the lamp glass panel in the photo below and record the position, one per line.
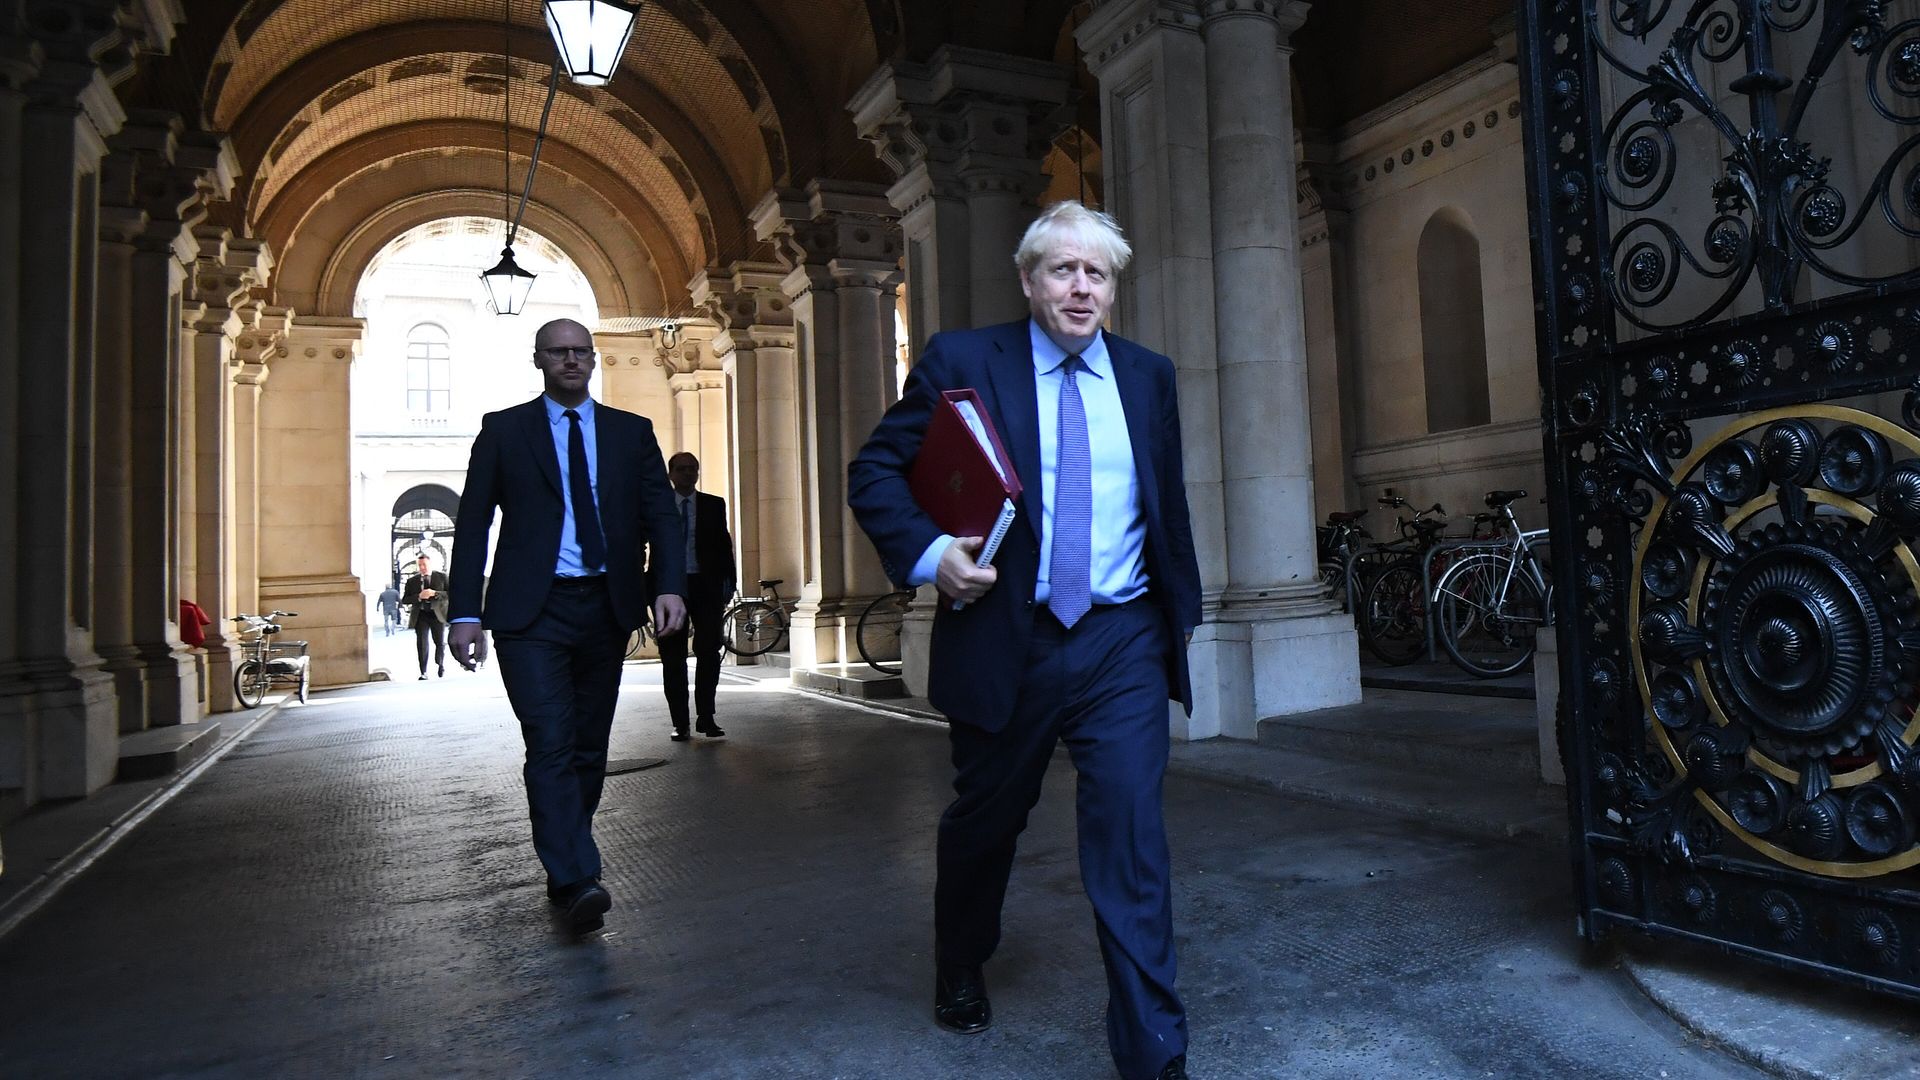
(590, 36)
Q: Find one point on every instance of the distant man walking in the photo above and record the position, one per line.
(709, 558)
(390, 608)
(427, 599)
(583, 495)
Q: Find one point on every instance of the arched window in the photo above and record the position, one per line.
(427, 370)
(1453, 325)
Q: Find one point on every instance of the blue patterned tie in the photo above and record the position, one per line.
(1070, 575)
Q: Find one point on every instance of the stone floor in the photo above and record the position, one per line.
(350, 892)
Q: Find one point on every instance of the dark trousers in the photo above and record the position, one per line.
(706, 601)
(562, 676)
(426, 626)
(1101, 687)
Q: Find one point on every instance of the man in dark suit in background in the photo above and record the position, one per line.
(582, 494)
(426, 598)
(1076, 633)
(710, 580)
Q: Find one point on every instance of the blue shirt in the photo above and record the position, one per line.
(569, 563)
(1119, 528)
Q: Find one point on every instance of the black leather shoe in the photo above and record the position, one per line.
(960, 999)
(680, 735)
(1175, 1070)
(585, 908)
(710, 729)
(423, 676)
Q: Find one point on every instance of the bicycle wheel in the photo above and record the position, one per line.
(1487, 609)
(878, 634)
(250, 682)
(306, 680)
(1394, 614)
(752, 627)
(636, 641)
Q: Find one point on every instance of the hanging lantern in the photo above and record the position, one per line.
(591, 35)
(507, 284)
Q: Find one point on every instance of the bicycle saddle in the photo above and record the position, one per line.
(1501, 498)
(1341, 517)
(1427, 526)
(768, 583)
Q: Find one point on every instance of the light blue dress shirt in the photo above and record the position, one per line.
(1119, 528)
(569, 563)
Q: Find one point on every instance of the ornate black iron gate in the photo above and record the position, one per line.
(1725, 208)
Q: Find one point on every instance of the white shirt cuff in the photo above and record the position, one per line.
(928, 567)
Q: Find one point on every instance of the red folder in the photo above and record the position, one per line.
(954, 478)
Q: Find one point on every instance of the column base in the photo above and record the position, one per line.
(219, 667)
(123, 665)
(916, 641)
(1244, 670)
(825, 631)
(59, 730)
(173, 685)
(331, 622)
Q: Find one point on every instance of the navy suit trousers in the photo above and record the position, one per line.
(562, 675)
(1102, 688)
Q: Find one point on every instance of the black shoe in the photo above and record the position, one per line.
(1175, 1070)
(586, 906)
(423, 676)
(679, 735)
(710, 729)
(443, 671)
(960, 999)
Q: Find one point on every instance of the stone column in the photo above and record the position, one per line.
(967, 134)
(844, 242)
(265, 340)
(755, 349)
(227, 269)
(122, 222)
(179, 175)
(1326, 290)
(57, 710)
(305, 532)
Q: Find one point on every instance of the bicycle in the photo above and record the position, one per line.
(754, 625)
(1393, 607)
(260, 669)
(1339, 538)
(637, 641)
(878, 633)
(1489, 604)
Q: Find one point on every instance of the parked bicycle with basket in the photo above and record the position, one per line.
(754, 625)
(266, 663)
(1492, 601)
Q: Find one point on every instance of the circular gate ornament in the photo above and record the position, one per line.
(1776, 636)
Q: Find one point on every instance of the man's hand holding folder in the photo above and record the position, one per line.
(964, 480)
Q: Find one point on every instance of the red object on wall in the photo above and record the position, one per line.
(193, 623)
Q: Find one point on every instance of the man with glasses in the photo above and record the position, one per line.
(582, 492)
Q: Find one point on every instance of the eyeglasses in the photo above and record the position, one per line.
(563, 353)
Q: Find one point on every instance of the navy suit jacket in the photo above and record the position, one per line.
(515, 468)
(980, 652)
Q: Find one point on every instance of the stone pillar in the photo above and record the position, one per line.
(1326, 287)
(179, 175)
(20, 61)
(122, 222)
(967, 134)
(266, 340)
(227, 269)
(844, 242)
(755, 349)
(305, 531)
(58, 729)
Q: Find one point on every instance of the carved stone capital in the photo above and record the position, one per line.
(832, 222)
(1288, 15)
(1116, 26)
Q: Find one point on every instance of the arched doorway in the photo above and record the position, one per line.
(422, 525)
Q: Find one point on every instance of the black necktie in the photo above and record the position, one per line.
(586, 520)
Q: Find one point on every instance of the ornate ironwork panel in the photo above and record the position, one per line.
(1725, 215)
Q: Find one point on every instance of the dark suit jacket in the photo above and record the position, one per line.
(979, 651)
(514, 467)
(436, 581)
(712, 542)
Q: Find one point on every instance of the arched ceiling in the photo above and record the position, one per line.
(342, 112)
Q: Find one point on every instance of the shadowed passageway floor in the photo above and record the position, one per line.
(352, 893)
